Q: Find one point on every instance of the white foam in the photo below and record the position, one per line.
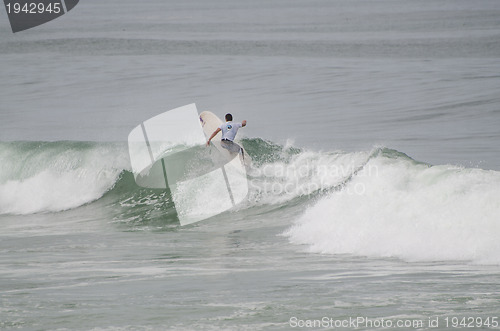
(59, 181)
(410, 211)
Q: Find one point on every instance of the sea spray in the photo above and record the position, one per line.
(304, 175)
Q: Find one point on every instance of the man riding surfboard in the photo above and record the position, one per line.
(229, 131)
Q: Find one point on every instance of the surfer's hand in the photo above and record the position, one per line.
(208, 143)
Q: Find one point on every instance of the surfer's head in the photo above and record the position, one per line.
(229, 117)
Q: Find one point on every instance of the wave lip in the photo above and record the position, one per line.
(55, 176)
(410, 211)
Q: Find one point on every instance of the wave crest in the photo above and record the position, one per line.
(55, 176)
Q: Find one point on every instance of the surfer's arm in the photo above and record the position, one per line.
(213, 135)
(244, 123)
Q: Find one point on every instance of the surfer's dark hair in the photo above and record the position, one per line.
(229, 117)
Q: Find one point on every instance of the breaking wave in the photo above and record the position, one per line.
(378, 203)
(408, 210)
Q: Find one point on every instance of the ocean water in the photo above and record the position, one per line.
(374, 132)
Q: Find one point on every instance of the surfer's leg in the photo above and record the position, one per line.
(232, 147)
(226, 145)
(235, 148)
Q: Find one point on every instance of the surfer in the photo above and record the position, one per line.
(229, 131)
